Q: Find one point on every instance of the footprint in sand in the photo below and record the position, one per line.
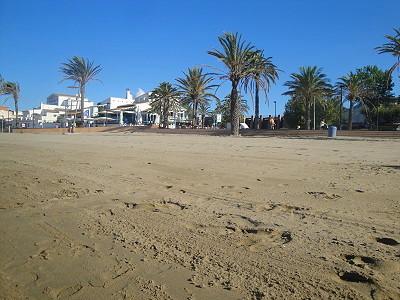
(362, 261)
(387, 241)
(353, 276)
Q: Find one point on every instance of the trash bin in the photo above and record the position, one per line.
(332, 131)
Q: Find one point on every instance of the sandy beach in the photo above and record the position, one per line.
(152, 216)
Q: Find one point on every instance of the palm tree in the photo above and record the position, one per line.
(264, 73)
(353, 86)
(81, 71)
(12, 89)
(238, 58)
(204, 109)
(195, 89)
(224, 107)
(307, 85)
(164, 98)
(392, 47)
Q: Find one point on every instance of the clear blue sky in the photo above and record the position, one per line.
(141, 43)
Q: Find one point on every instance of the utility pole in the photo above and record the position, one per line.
(65, 113)
(275, 108)
(9, 128)
(340, 108)
(377, 117)
(314, 111)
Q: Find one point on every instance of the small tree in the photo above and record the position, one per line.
(263, 74)
(195, 88)
(352, 85)
(12, 89)
(308, 86)
(164, 98)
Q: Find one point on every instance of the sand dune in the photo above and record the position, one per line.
(151, 216)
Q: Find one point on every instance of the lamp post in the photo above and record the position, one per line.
(8, 117)
(314, 112)
(33, 118)
(65, 112)
(341, 108)
(377, 117)
(275, 108)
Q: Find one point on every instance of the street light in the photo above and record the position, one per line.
(275, 108)
(341, 107)
(314, 111)
(8, 117)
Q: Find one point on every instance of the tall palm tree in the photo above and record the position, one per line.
(195, 88)
(12, 89)
(306, 86)
(264, 74)
(353, 86)
(81, 71)
(238, 58)
(164, 98)
(392, 47)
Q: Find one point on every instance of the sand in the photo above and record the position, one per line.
(150, 216)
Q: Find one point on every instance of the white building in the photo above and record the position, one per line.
(136, 110)
(69, 101)
(7, 117)
(57, 111)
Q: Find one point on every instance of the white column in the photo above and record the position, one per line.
(121, 117)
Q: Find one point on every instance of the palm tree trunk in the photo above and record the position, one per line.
(257, 108)
(166, 113)
(235, 111)
(350, 123)
(308, 123)
(82, 92)
(16, 111)
(195, 113)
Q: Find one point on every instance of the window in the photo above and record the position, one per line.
(171, 113)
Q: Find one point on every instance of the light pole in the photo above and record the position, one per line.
(33, 118)
(314, 112)
(377, 117)
(341, 108)
(275, 108)
(9, 128)
(65, 112)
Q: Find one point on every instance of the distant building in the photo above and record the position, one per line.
(62, 109)
(136, 110)
(7, 116)
(58, 110)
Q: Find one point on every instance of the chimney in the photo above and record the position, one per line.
(128, 94)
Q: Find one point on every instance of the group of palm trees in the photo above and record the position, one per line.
(311, 83)
(245, 68)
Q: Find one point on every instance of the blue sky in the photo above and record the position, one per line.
(141, 43)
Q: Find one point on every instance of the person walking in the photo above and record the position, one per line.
(271, 123)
